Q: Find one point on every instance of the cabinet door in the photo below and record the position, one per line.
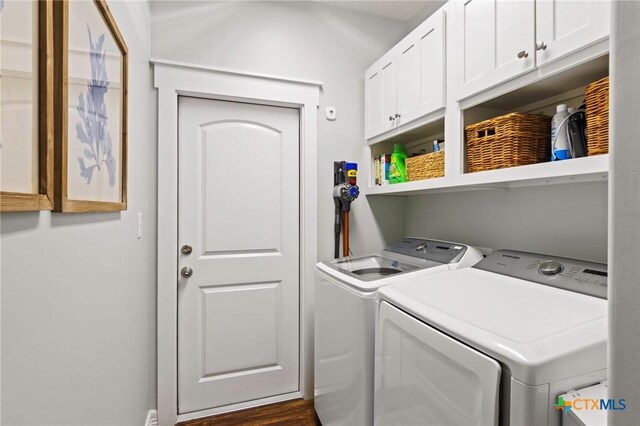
(566, 26)
(421, 67)
(495, 43)
(380, 96)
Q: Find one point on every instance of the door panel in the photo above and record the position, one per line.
(390, 97)
(238, 314)
(566, 26)
(515, 31)
(235, 229)
(373, 103)
(252, 341)
(425, 377)
(421, 67)
(380, 96)
(478, 23)
(494, 31)
(409, 78)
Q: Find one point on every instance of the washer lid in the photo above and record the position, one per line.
(374, 267)
(541, 333)
(368, 273)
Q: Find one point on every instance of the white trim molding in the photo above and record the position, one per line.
(624, 214)
(175, 79)
(152, 418)
(233, 72)
(240, 406)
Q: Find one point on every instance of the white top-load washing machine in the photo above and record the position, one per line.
(493, 344)
(345, 319)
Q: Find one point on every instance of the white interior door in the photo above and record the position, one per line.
(238, 313)
(424, 377)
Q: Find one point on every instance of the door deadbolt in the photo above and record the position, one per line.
(186, 272)
(186, 249)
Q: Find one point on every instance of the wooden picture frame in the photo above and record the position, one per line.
(83, 156)
(42, 199)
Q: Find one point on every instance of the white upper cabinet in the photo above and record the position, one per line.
(421, 70)
(408, 81)
(380, 96)
(495, 42)
(501, 39)
(564, 26)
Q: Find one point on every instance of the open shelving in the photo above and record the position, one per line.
(584, 169)
(416, 141)
(537, 97)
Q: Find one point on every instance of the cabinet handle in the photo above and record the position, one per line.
(541, 45)
(397, 115)
(391, 118)
(522, 54)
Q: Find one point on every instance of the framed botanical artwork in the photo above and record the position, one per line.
(90, 108)
(26, 105)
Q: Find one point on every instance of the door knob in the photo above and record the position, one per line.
(522, 54)
(186, 272)
(541, 45)
(186, 249)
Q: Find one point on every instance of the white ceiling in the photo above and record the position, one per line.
(397, 10)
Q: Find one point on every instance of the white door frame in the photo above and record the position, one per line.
(173, 79)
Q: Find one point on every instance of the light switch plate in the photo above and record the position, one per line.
(140, 223)
(331, 113)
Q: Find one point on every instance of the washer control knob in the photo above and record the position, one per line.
(550, 267)
(421, 247)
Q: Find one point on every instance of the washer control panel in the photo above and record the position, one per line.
(569, 274)
(436, 251)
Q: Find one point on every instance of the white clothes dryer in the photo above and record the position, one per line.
(492, 344)
(345, 319)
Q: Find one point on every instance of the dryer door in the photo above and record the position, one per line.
(425, 377)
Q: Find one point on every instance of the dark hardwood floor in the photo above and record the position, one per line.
(296, 412)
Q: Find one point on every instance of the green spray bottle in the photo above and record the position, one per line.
(397, 167)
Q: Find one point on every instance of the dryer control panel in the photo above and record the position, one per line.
(569, 274)
(433, 250)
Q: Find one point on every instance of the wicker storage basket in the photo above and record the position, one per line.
(597, 113)
(510, 140)
(427, 166)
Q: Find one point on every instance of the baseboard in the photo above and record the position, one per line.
(152, 418)
(240, 406)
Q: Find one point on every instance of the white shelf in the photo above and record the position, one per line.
(408, 187)
(577, 170)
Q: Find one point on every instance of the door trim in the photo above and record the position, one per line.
(173, 80)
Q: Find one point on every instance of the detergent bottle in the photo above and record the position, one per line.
(397, 168)
(560, 149)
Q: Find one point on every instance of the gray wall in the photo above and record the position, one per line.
(78, 290)
(624, 231)
(566, 219)
(305, 40)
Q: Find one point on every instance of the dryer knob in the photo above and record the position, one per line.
(421, 247)
(550, 267)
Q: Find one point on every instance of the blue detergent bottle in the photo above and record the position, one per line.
(560, 149)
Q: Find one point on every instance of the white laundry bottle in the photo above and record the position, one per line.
(560, 149)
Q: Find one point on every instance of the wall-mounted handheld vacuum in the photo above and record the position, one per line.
(345, 191)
